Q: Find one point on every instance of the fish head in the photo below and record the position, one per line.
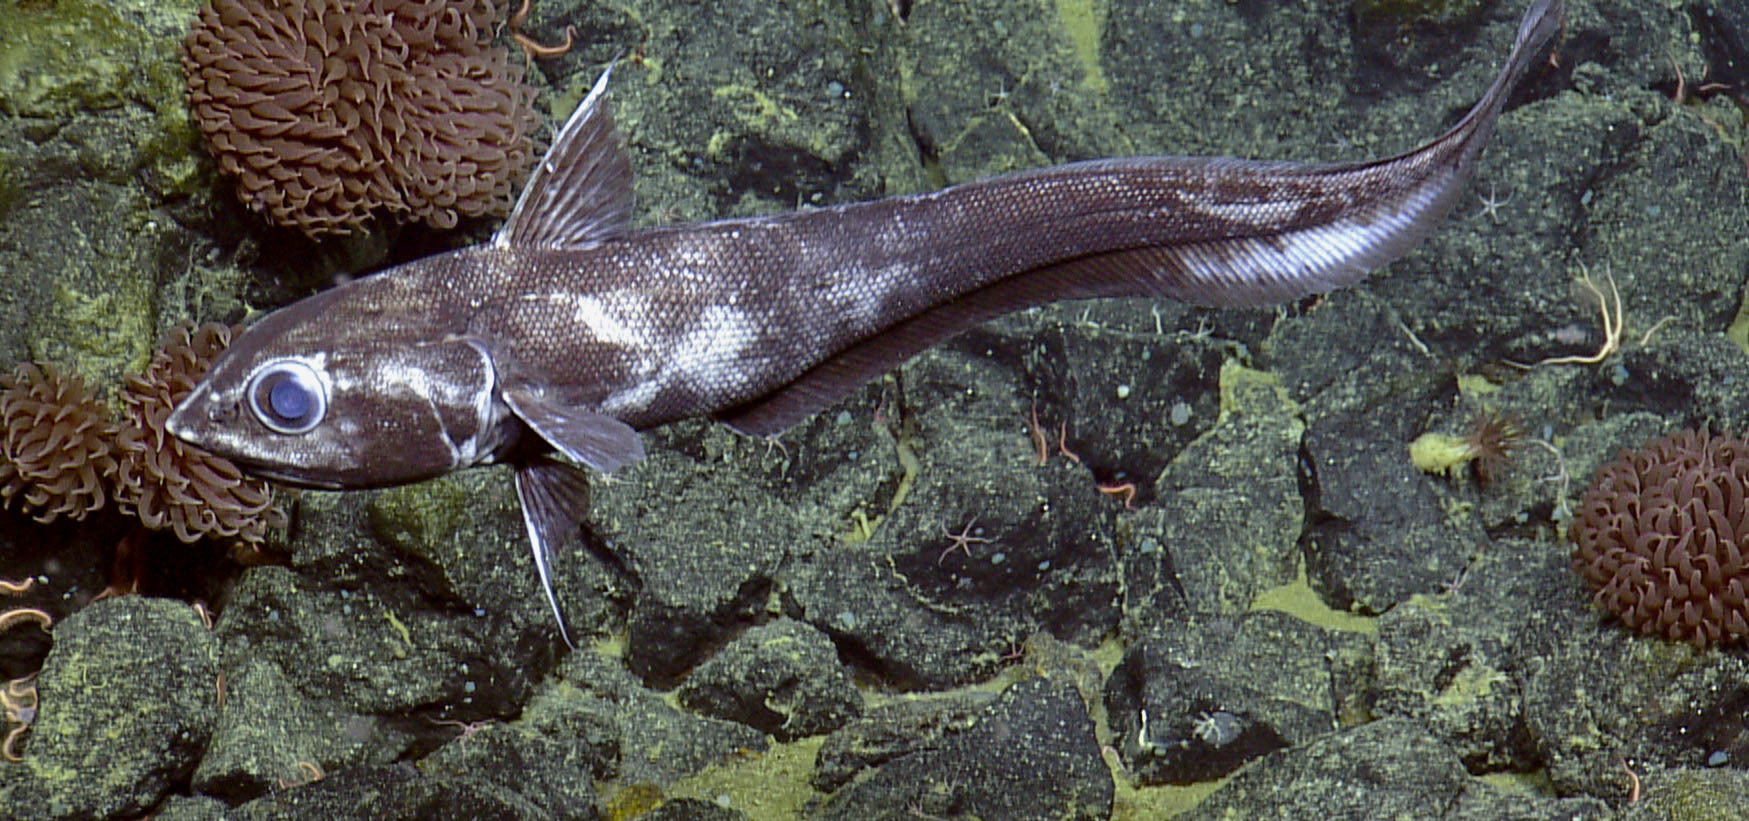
(350, 388)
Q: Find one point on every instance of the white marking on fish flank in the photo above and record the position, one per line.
(710, 351)
(851, 293)
(894, 236)
(1262, 213)
(610, 318)
(700, 254)
(632, 399)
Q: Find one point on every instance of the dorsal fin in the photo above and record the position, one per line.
(581, 193)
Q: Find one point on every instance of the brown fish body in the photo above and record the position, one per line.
(570, 331)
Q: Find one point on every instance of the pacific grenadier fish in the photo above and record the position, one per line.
(570, 331)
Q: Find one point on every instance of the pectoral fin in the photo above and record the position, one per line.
(594, 439)
(554, 497)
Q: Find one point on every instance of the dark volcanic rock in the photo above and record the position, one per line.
(1386, 769)
(128, 699)
(1190, 706)
(1031, 754)
(393, 792)
(893, 731)
(783, 678)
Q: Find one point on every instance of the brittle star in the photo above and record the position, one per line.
(962, 541)
(1038, 439)
(311, 772)
(1127, 490)
(18, 698)
(1683, 96)
(1491, 205)
(468, 728)
(529, 46)
(1614, 323)
(20, 615)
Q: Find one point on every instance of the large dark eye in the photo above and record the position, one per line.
(287, 396)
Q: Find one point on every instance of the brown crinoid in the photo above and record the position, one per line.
(168, 484)
(56, 456)
(1495, 439)
(328, 111)
(1663, 536)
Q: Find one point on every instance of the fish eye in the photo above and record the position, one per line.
(287, 396)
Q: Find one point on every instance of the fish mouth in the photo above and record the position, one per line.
(284, 477)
